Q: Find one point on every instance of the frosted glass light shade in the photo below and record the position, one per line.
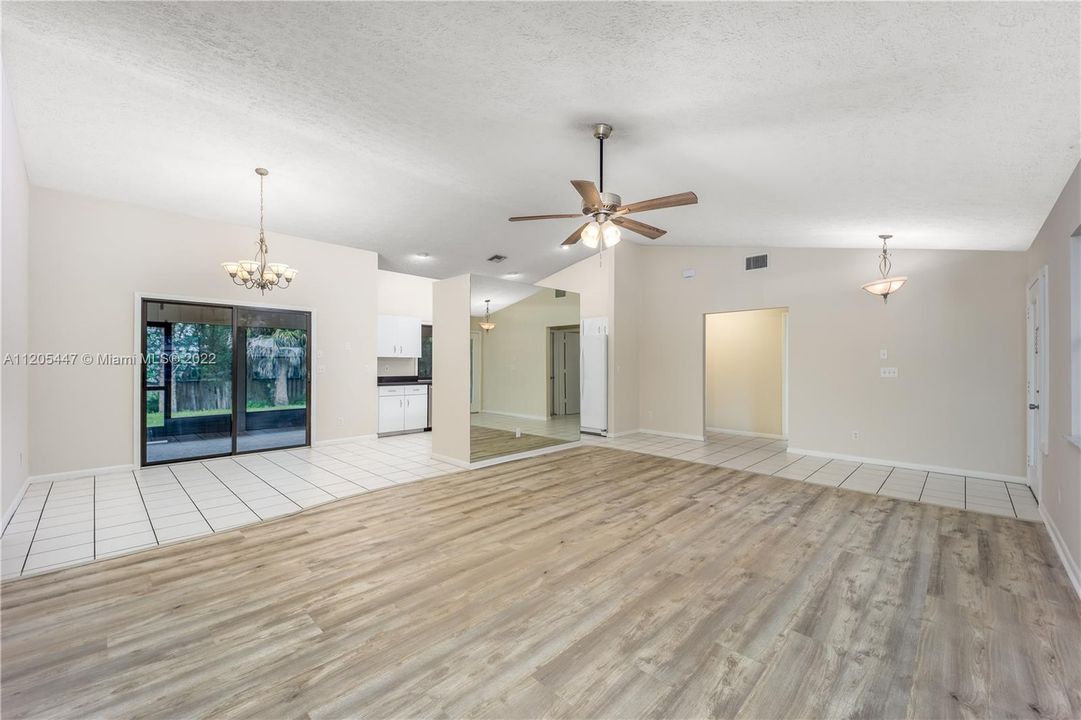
(250, 266)
(278, 268)
(290, 273)
(486, 326)
(591, 234)
(885, 287)
(231, 268)
(611, 232)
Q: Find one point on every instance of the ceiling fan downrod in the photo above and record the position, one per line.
(601, 131)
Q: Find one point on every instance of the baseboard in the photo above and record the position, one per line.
(913, 466)
(522, 455)
(622, 433)
(340, 441)
(8, 512)
(745, 433)
(72, 474)
(520, 416)
(1072, 568)
(450, 461)
(681, 436)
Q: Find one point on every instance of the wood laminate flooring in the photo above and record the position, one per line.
(486, 443)
(586, 583)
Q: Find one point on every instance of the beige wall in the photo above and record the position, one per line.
(88, 259)
(403, 294)
(956, 333)
(450, 369)
(1062, 465)
(515, 369)
(745, 371)
(624, 342)
(14, 309)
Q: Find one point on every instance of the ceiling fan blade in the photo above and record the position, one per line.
(639, 227)
(575, 236)
(687, 198)
(519, 218)
(588, 190)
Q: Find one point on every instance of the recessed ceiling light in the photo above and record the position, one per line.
(422, 256)
(512, 274)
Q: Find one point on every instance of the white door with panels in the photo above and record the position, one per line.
(594, 375)
(1036, 379)
(566, 364)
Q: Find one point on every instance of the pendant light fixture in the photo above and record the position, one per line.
(886, 285)
(258, 273)
(487, 324)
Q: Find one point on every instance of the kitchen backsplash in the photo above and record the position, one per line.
(396, 366)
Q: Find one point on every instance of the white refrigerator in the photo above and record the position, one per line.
(594, 377)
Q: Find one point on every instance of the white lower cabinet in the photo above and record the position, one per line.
(403, 407)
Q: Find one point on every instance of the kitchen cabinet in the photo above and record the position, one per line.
(403, 407)
(398, 336)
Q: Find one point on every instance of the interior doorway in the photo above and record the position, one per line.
(745, 370)
(564, 376)
(1036, 380)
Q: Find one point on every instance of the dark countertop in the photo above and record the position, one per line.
(402, 380)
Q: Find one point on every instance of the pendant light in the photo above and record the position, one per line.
(886, 285)
(258, 273)
(487, 324)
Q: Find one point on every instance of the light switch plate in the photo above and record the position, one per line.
(689, 273)
(887, 372)
(882, 354)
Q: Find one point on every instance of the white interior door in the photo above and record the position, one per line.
(572, 372)
(1035, 381)
(475, 363)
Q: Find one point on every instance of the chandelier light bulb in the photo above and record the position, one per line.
(612, 234)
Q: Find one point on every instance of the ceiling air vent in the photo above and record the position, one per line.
(497, 258)
(757, 262)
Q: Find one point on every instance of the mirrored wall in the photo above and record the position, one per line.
(524, 367)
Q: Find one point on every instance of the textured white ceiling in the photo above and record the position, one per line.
(418, 127)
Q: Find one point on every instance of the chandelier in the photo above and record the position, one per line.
(487, 324)
(885, 285)
(258, 273)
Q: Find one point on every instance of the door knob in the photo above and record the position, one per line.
(1032, 406)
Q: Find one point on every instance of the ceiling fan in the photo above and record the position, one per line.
(606, 211)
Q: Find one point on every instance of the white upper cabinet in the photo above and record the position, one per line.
(398, 336)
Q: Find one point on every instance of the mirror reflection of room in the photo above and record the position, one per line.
(524, 368)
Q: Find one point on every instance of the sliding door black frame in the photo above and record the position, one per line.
(237, 348)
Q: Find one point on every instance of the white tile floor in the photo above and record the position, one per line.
(771, 457)
(564, 427)
(69, 522)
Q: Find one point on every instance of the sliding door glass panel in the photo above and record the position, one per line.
(273, 372)
(188, 381)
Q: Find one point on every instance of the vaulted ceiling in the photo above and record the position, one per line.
(411, 128)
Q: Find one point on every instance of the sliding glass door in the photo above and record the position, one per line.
(220, 380)
(273, 390)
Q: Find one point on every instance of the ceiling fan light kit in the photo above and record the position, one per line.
(886, 285)
(606, 211)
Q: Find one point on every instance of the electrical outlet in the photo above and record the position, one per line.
(517, 432)
(341, 420)
(887, 372)
(855, 434)
(882, 354)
